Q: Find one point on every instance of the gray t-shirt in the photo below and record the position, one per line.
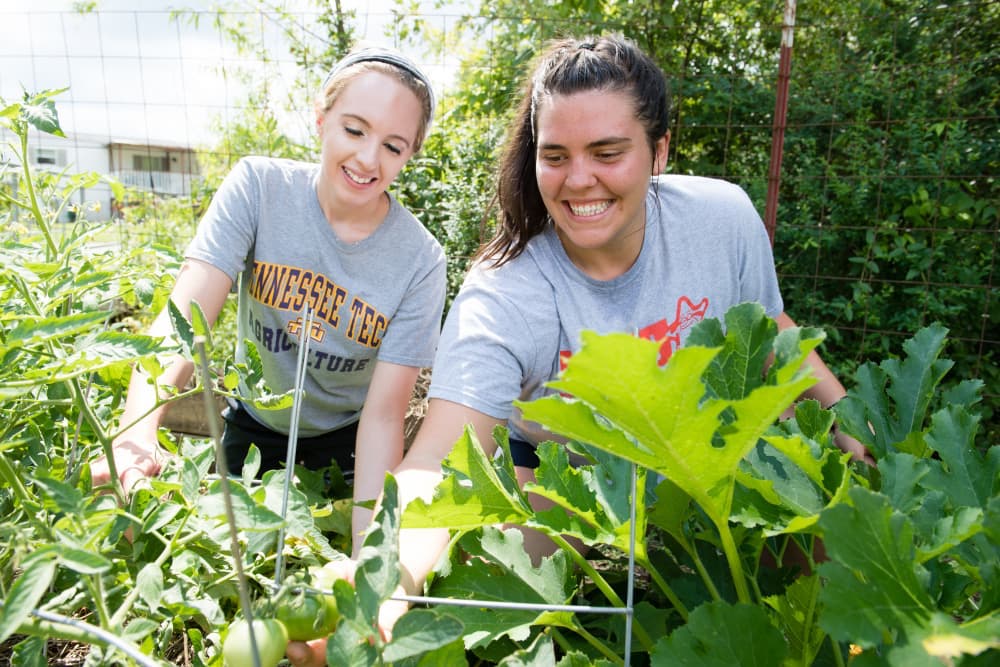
(378, 299)
(510, 328)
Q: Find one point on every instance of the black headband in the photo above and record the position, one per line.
(383, 55)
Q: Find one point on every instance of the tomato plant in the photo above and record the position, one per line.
(269, 634)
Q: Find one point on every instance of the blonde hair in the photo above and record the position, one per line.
(390, 63)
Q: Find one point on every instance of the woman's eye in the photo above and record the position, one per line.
(353, 131)
(609, 155)
(394, 149)
(552, 159)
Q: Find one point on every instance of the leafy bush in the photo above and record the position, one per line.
(758, 544)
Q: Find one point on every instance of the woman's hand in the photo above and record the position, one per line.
(853, 447)
(134, 461)
(313, 653)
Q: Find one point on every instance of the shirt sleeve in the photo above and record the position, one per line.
(487, 350)
(227, 231)
(412, 336)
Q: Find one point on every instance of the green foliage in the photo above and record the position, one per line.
(887, 223)
(763, 544)
(149, 565)
(887, 215)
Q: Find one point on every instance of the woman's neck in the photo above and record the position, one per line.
(352, 225)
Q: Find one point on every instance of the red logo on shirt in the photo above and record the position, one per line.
(668, 334)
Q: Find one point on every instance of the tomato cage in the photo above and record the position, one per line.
(222, 468)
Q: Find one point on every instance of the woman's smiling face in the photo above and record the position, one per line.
(367, 137)
(593, 165)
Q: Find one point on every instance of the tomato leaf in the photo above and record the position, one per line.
(40, 111)
(419, 631)
(185, 334)
(377, 573)
(27, 590)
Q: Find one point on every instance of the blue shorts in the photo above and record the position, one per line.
(522, 453)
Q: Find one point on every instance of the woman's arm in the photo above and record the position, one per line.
(137, 452)
(379, 445)
(828, 391)
(417, 476)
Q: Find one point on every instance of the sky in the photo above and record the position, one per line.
(136, 74)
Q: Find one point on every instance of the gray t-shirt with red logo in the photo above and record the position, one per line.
(705, 250)
(378, 299)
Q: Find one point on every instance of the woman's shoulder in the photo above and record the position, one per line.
(521, 280)
(697, 188)
(272, 169)
(407, 229)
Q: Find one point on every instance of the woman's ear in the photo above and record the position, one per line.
(661, 148)
(320, 117)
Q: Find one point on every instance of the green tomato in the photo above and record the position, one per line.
(308, 615)
(271, 638)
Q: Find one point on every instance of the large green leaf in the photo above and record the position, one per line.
(592, 501)
(887, 408)
(718, 634)
(420, 631)
(797, 610)
(474, 495)
(873, 580)
(745, 345)
(500, 570)
(659, 417)
(966, 477)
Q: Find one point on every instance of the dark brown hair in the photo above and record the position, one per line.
(568, 66)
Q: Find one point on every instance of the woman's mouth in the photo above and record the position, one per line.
(358, 178)
(589, 209)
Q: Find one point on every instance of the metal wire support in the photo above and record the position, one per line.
(293, 434)
(628, 610)
(630, 596)
(222, 468)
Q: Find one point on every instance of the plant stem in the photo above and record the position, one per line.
(30, 187)
(733, 558)
(126, 605)
(589, 570)
(48, 625)
(159, 404)
(601, 583)
(96, 586)
(598, 644)
(664, 587)
(837, 657)
(692, 551)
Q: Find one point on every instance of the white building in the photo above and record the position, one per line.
(164, 170)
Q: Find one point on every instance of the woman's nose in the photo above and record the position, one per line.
(580, 174)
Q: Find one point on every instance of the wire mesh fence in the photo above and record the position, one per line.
(887, 215)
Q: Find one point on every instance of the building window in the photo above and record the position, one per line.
(150, 163)
(50, 156)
